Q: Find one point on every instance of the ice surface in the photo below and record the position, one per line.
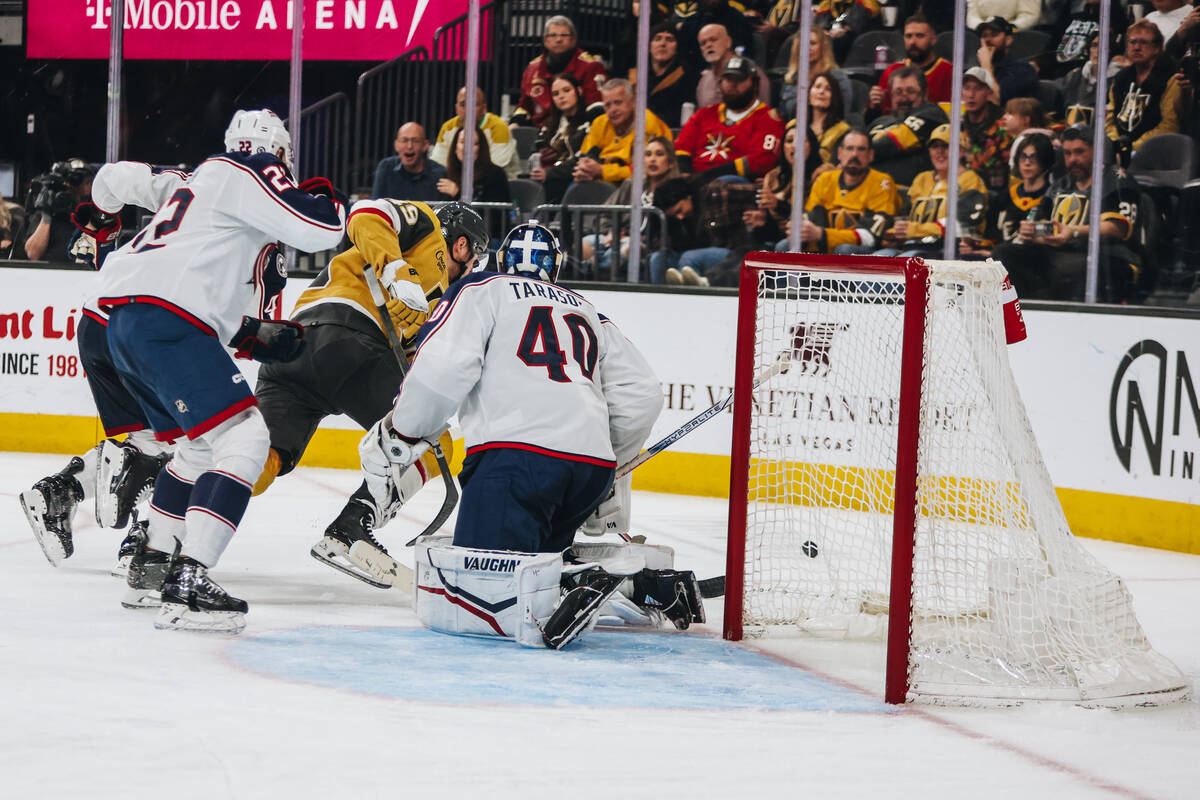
(334, 691)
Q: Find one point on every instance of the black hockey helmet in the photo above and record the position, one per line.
(459, 219)
(532, 250)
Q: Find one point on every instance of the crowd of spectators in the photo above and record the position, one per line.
(722, 144)
(722, 93)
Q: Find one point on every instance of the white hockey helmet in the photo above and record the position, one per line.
(259, 131)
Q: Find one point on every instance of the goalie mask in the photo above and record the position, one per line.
(531, 250)
(258, 131)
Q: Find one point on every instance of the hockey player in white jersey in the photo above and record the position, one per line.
(51, 503)
(175, 295)
(550, 397)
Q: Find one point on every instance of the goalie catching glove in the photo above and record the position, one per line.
(406, 303)
(268, 341)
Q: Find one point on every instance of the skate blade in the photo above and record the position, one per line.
(121, 570)
(141, 598)
(332, 553)
(176, 617)
(34, 506)
(380, 566)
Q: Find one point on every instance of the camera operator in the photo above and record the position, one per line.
(1049, 259)
(55, 195)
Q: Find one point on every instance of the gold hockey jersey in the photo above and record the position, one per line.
(928, 197)
(381, 231)
(851, 216)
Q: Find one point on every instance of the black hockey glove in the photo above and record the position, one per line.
(268, 341)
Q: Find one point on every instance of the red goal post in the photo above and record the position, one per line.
(886, 478)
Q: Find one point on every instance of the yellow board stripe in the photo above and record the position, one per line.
(1116, 518)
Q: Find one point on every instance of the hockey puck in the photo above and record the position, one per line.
(809, 548)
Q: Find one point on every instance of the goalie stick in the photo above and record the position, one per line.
(781, 364)
(403, 577)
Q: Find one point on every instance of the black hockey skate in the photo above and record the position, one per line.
(193, 601)
(124, 478)
(577, 610)
(349, 546)
(49, 506)
(133, 542)
(147, 572)
(674, 593)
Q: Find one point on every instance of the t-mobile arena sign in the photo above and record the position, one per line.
(344, 30)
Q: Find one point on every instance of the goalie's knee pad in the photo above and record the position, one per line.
(612, 515)
(467, 591)
(240, 445)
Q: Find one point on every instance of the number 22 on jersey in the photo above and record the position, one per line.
(540, 344)
(180, 200)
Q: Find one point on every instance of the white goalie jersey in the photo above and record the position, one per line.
(197, 256)
(528, 365)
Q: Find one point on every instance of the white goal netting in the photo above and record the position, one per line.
(1006, 603)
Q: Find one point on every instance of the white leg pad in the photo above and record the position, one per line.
(656, 556)
(470, 592)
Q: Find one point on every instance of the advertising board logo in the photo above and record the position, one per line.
(1156, 407)
(812, 343)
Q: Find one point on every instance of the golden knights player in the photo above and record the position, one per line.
(1049, 258)
(348, 367)
(850, 208)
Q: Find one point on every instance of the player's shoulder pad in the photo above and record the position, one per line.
(773, 114)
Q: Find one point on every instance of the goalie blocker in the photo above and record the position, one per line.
(540, 601)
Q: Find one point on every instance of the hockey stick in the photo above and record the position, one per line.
(451, 499)
(781, 364)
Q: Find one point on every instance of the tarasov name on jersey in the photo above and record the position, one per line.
(523, 289)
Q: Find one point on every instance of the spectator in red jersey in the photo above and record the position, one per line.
(562, 56)
(919, 39)
(740, 136)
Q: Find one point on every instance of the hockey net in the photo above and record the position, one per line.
(886, 480)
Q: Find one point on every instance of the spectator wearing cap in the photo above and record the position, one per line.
(924, 230)
(898, 140)
(987, 141)
(1051, 264)
(919, 40)
(717, 49)
(1142, 97)
(671, 84)
(1014, 78)
(741, 135)
(1023, 13)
